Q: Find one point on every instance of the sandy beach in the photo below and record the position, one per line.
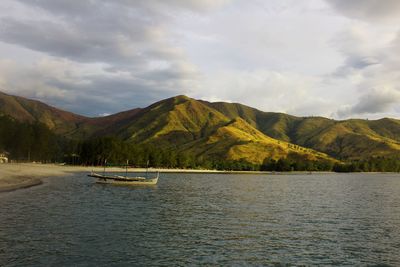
(15, 176)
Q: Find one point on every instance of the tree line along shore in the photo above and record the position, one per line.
(27, 142)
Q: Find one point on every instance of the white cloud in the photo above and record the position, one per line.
(275, 35)
(313, 57)
(370, 49)
(266, 90)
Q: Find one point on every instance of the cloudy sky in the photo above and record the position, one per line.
(335, 58)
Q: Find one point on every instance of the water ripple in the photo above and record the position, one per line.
(205, 219)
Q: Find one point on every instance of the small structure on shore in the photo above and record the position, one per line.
(4, 157)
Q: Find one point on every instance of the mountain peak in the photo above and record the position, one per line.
(186, 123)
(180, 99)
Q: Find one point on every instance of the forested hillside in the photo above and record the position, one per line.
(188, 133)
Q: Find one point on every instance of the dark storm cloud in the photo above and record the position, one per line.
(371, 59)
(98, 100)
(360, 62)
(98, 56)
(378, 10)
(122, 34)
(114, 32)
(68, 7)
(354, 62)
(115, 37)
(375, 101)
(89, 95)
(71, 8)
(49, 37)
(129, 39)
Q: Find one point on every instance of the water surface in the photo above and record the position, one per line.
(205, 219)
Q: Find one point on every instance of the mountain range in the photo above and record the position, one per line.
(230, 131)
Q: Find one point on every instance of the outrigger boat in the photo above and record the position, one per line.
(124, 180)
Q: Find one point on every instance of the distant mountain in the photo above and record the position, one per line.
(228, 131)
(61, 122)
(23, 109)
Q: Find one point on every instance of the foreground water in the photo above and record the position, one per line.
(205, 219)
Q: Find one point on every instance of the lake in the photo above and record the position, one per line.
(205, 219)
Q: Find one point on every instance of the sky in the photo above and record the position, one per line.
(334, 58)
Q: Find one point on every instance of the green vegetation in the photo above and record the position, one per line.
(30, 111)
(29, 142)
(117, 152)
(181, 132)
(377, 164)
(296, 164)
(343, 140)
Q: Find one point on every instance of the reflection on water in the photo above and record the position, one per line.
(191, 219)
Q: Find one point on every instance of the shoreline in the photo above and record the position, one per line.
(20, 183)
(15, 176)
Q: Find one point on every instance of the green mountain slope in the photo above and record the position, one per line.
(239, 141)
(27, 110)
(221, 130)
(348, 139)
(276, 125)
(170, 122)
(60, 122)
(193, 127)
